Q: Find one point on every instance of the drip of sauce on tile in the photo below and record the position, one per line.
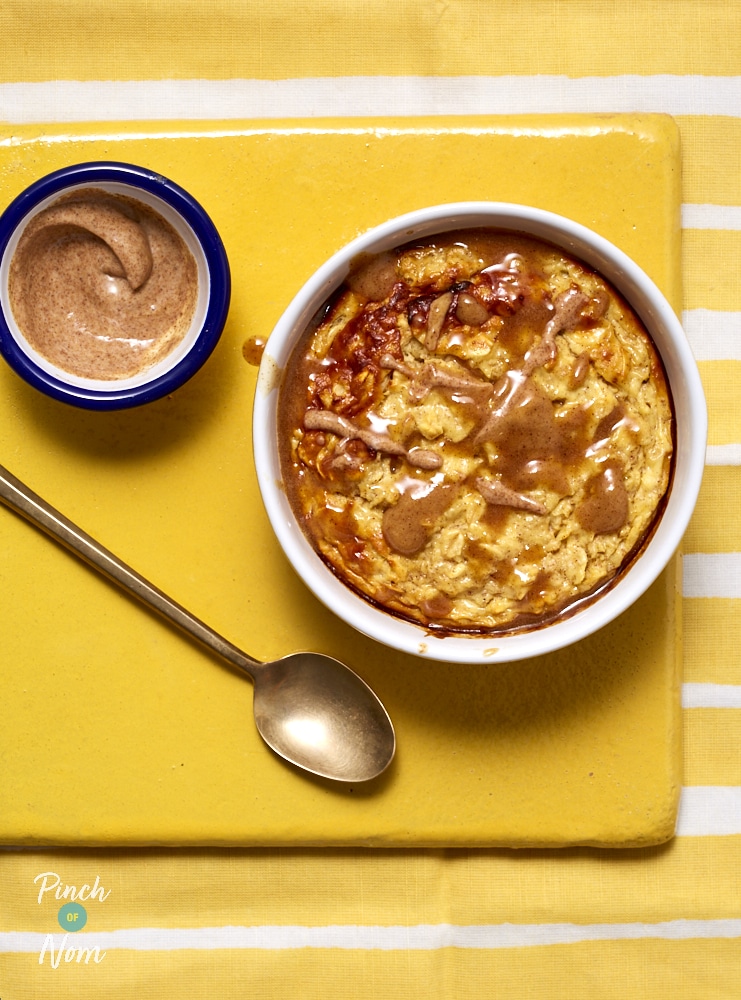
(252, 350)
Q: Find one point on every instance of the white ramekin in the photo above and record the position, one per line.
(684, 381)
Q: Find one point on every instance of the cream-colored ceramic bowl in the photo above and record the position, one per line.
(684, 382)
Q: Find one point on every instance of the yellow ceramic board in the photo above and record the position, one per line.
(117, 730)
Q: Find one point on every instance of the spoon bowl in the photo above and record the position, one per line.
(311, 709)
(317, 713)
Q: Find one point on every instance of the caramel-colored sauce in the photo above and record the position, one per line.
(253, 349)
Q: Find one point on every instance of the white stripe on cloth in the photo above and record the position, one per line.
(711, 695)
(709, 811)
(417, 937)
(723, 454)
(368, 96)
(716, 574)
(711, 216)
(713, 335)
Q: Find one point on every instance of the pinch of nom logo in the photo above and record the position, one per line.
(72, 916)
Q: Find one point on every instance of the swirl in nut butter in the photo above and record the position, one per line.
(476, 432)
(101, 285)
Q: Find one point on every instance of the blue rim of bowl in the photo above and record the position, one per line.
(108, 171)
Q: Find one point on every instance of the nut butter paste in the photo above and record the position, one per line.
(101, 285)
(477, 433)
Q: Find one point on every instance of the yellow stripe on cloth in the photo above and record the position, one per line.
(721, 380)
(181, 39)
(709, 281)
(712, 639)
(613, 970)
(253, 888)
(710, 736)
(716, 524)
(710, 159)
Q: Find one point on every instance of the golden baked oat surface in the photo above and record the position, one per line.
(477, 432)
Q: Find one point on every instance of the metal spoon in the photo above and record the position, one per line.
(309, 708)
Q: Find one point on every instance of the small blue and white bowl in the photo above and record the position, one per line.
(197, 230)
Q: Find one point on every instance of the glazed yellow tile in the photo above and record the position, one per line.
(118, 730)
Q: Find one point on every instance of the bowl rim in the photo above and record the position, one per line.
(215, 260)
(653, 308)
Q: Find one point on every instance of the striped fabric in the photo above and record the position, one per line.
(353, 924)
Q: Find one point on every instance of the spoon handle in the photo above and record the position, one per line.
(21, 499)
